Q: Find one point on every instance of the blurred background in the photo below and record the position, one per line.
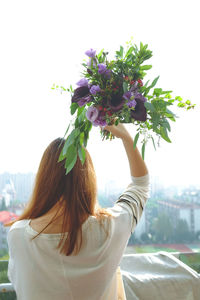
(42, 43)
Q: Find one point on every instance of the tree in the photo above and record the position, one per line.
(161, 229)
(181, 232)
(3, 205)
(146, 238)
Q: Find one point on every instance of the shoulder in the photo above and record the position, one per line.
(119, 210)
(19, 224)
(121, 217)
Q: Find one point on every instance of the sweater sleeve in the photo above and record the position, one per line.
(126, 213)
(134, 198)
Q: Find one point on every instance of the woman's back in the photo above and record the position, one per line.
(77, 256)
(38, 271)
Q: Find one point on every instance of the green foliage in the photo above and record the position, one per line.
(125, 87)
(136, 140)
(143, 150)
(192, 260)
(81, 154)
(73, 108)
(162, 228)
(74, 147)
(71, 157)
(3, 205)
(4, 279)
(181, 232)
(127, 73)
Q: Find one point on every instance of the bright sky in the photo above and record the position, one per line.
(43, 42)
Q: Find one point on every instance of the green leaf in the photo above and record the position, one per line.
(81, 154)
(170, 112)
(88, 127)
(154, 82)
(116, 122)
(80, 110)
(143, 150)
(66, 130)
(136, 140)
(125, 87)
(86, 137)
(166, 124)
(149, 106)
(130, 50)
(151, 86)
(62, 87)
(61, 156)
(188, 102)
(178, 98)
(153, 142)
(82, 138)
(100, 54)
(156, 118)
(146, 67)
(146, 84)
(164, 134)
(170, 116)
(71, 158)
(81, 117)
(121, 51)
(181, 104)
(73, 108)
(70, 140)
(157, 91)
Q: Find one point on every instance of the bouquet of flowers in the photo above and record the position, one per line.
(113, 91)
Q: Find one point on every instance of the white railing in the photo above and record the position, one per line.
(153, 276)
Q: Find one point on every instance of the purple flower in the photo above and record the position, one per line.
(100, 121)
(107, 74)
(92, 62)
(130, 97)
(91, 53)
(102, 68)
(131, 103)
(92, 113)
(84, 100)
(116, 102)
(81, 95)
(141, 97)
(139, 113)
(95, 89)
(82, 82)
(134, 88)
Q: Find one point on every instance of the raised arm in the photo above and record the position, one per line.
(136, 194)
(138, 167)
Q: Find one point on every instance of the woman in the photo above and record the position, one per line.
(64, 246)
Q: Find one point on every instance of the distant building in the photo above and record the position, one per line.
(8, 192)
(5, 217)
(23, 184)
(190, 212)
(18, 208)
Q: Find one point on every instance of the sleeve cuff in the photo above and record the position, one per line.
(142, 180)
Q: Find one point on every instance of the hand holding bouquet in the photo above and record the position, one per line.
(113, 91)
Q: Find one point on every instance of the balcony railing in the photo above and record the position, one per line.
(155, 276)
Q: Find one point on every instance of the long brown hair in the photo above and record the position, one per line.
(76, 192)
